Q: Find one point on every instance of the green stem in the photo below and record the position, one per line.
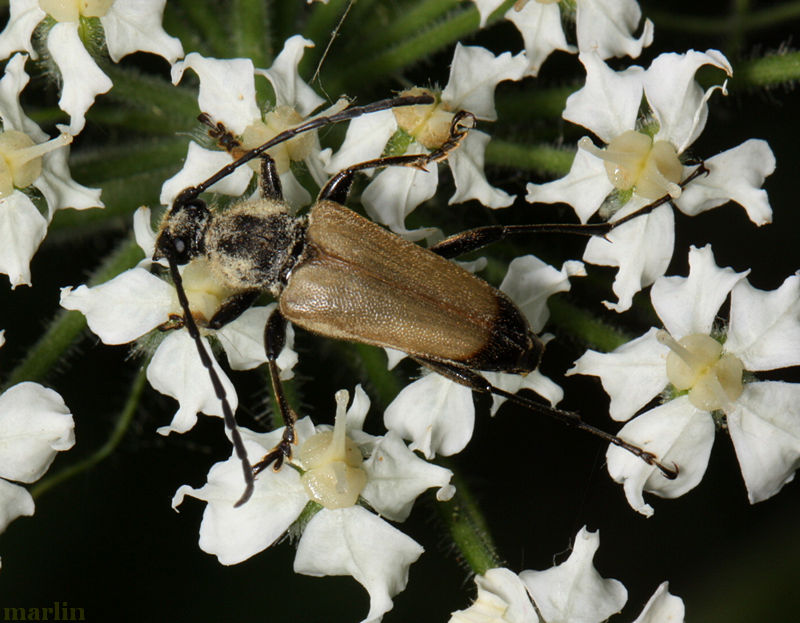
(543, 159)
(406, 24)
(424, 43)
(120, 427)
(205, 18)
(542, 103)
(250, 21)
(585, 327)
(756, 20)
(769, 70)
(67, 326)
(162, 97)
(467, 526)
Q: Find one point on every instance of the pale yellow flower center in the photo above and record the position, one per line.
(203, 291)
(72, 10)
(275, 122)
(334, 477)
(696, 363)
(634, 161)
(21, 159)
(429, 124)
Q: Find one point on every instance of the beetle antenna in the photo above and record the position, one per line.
(187, 195)
(219, 390)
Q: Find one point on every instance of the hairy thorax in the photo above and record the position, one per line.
(254, 245)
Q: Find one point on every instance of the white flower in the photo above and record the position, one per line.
(329, 469)
(35, 424)
(129, 26)
(28, 158)
(397, 191)
(763, 417)
(662, 607)
(228, 94)
(573, 591)
(641, 163)
(502, 598)
(604, 27)
(437, 414)
(137, 302)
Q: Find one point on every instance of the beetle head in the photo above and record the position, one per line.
(183, 230)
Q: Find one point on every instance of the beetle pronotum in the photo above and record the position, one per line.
(340, 275)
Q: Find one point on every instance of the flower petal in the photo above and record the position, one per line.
(765, 430)
(22, 229)
(82, 78)
(688, 305)
(585, 187)
(435, 413)
(14, 80)
(474, 74)
(201, 164)
(290, 89)
(353, 541)
(764, 329)
(541, 30)
(136, 26)
(607, 26)
(34, 425)
(466, 164)
(397, 191)
(677, 101)
(632, 374)
(176, 370)
(396, 476)
(123, 309)
(365, 140)
(529, 282)
(24, 16)
(677, 433)
(59, 189)
(15, 501)
(734, 175)
(573, 591)
(608, 104)
(234, 534)
(502, 598)
(227, 89)
(642, 248)
(662, 607)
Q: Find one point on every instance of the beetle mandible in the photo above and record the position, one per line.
(342, 276)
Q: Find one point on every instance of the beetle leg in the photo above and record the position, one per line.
(338, 186)
(474, 239)
(270, 182)
(274, 339)
(233, 307)
(476, 382)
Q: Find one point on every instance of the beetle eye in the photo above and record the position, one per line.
(180, 245)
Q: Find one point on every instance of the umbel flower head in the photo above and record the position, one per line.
(331, 471)
(572, 592)
(706, 372)
(641, 163)
(35, 425)
(28, 160)
(396, 191)
(228, 94)
(605, 27)
(128, 26)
